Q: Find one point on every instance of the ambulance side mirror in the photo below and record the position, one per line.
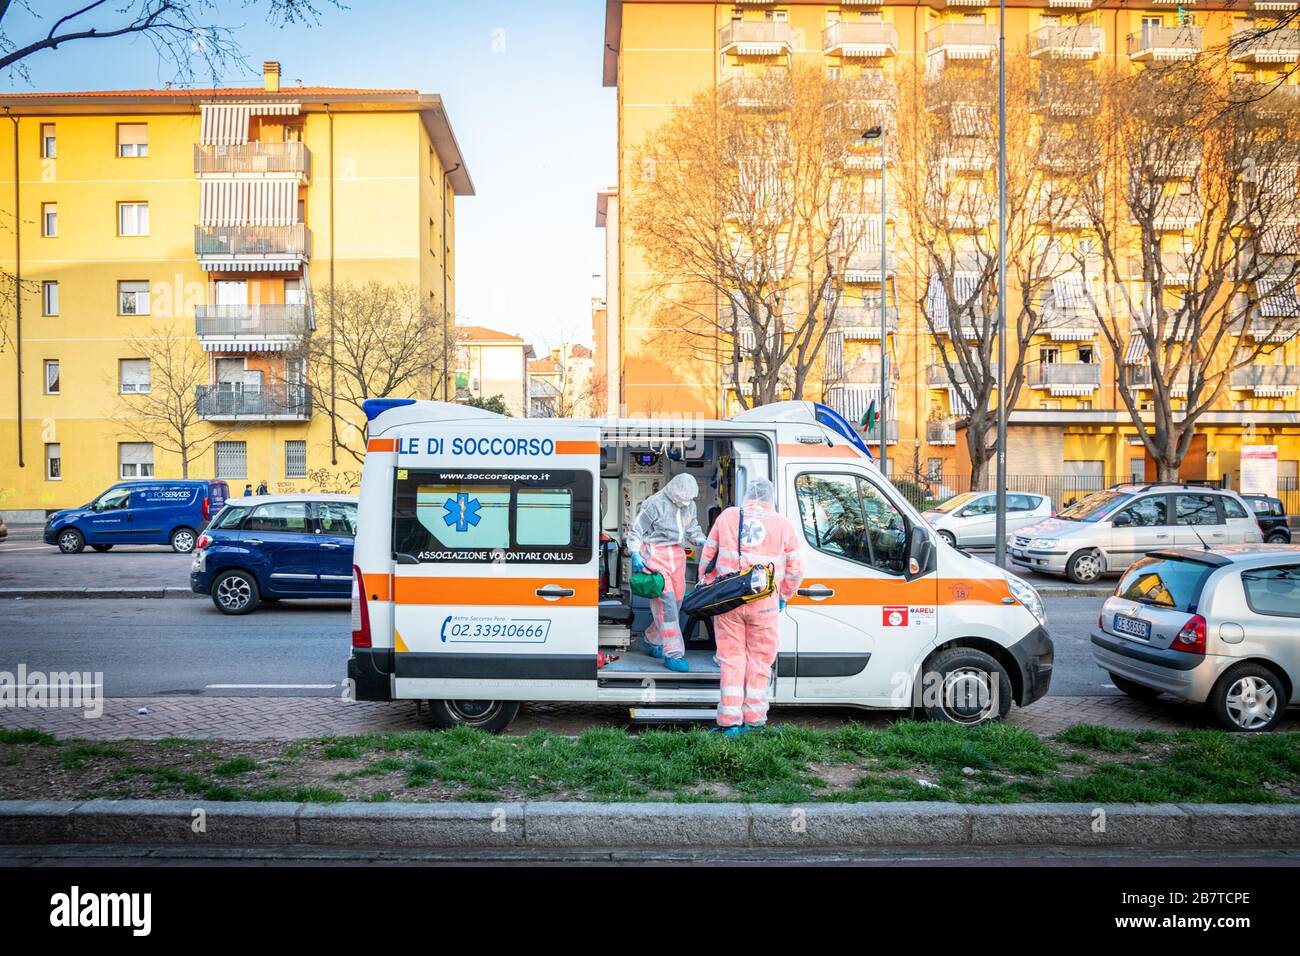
(921, 553)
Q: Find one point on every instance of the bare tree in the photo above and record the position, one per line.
(168, 414)
(1203, 195)
(186, 35)
(752, 203)
(373, 340)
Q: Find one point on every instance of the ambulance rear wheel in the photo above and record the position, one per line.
(964, 686)
(489, 715)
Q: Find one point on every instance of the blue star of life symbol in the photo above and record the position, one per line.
(462, 512)
(752, 532)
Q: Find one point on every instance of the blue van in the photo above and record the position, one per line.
(139, 512)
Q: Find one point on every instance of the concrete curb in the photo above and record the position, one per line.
(1073, 590)
(65, 593)
(578, 825)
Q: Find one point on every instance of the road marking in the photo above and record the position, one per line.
(15, 550)
(58, 686)
(270, 686)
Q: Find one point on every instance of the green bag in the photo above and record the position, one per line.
(647, 584)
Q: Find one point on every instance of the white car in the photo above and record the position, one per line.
(970, 519)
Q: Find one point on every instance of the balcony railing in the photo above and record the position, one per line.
(233, 401)
(1076, 374)
(1081, 42)
(250, 320)
(1264, 379)
(1267, 101)
(863, 38)
(966, 41)
(1065, 95)
(253, 242)
(858, 320)
(937, 374)
(1260, 47)
(1274, 328)
(1139, 376)
(1165, 43)
(852, 402)
(253, 159)
(756, 37)
(1179, 211)
(772, 91)
(940, 432)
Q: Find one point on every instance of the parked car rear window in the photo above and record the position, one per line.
(1165, 582)
(1233, 509)
(1094, 507)
(952, 504)
(229, 518)
(278, 516)
(1273, 591)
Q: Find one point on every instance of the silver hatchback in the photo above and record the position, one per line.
(1220, 628)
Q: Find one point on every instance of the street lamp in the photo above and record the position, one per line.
(1000, 521)
(878, 133)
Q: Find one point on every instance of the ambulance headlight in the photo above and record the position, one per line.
(1026, 595)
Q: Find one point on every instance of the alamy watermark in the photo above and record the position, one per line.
(47, 690)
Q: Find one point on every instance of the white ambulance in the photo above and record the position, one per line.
(491, 569)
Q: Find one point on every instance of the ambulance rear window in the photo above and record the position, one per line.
(528, 517)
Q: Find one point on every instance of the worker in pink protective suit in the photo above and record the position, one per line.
(664, 527)
(747, 637)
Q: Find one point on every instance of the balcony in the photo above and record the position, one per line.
(256, 248)
(1174, 213)
(232, 402)
(1262, 49)
(253, 161)
(268, 327)
(852, 402)
(756, 38)
(1268, 102)
(939, 431)
(865, 101)
(960, 41)
(1066, 93)
(862, 39)
(1275, 328)
(1081, 42)
(1154, 44)
(863, 264)
(1067, 378)
(937, 374)
(1178, 159)
(861, 320)
(966, 212)
(770, 92)
(1267, 381)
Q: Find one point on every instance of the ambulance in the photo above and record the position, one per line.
(491, 569)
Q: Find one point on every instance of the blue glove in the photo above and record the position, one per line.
(782, 604)
(638, 562)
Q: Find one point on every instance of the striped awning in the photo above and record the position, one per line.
(759, 49)
(247, 345)
(1136, 350)
(248, 202)
(1068, 292)
(970, 119)
(957, 403)
(1277, 297)
(964, 285)
(287, 263)
(226, 124)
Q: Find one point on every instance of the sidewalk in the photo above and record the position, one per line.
(278, 718)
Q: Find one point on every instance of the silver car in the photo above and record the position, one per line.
(1108, 530)
(1214, 627)
(970, 519)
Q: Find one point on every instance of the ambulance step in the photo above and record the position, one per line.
(672, 715)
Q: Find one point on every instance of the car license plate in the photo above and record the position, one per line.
(1132, 626)
(1017, 553)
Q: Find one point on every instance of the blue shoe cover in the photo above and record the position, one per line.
(654, 650)
(676, 664)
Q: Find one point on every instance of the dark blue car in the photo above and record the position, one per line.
(148, 511)
(269, 547)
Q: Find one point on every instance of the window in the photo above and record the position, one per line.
(53, 462)
(133, 376)
(49, 297)
(986, 505)
(934, 469)
(846, 516)
(49, 143)
(1273, 591)
(135, 459)
(230, 517)
(231, 459)
(51, 376)
(113, 499)
(133, 298)
(133, 219)
(49, 219)
(1137, 470)
(1152, 512)
(1196, 509)
(1165, 582)
(522, 517)
(337, 517)
(1022, 502)
(286, 516)
(132, 140)
(1232, 508)
(295, 459)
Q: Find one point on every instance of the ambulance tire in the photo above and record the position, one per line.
(492, 716)
(963, 692)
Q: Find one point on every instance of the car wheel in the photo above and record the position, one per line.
(1132, 688)
(949, 537)
(101, 548)
(235, 592)
(182, 540)
(490, 715)
(964, 686)
(1248, 698)
(1279, 537)
(71, 541)
(1085, 567)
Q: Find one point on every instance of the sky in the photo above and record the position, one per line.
(521, 82)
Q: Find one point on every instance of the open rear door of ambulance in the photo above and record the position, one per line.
(495, 566)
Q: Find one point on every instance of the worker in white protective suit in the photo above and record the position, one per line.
(664, 527)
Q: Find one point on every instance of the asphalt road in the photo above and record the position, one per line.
(152, 647)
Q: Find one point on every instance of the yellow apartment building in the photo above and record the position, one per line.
(491, 363)
(221, 218)
(1070, 418)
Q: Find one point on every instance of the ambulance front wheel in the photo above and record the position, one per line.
(965, 686)
(489, 715)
